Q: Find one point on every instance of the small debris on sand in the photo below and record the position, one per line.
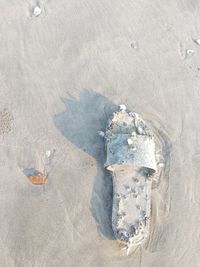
(122, 107)
(197, 41)
(130, 142)
(36, 11)
(101, 133)
(189, 53)
(37, 179)
(185, 52)
(48, 153)
(134, 44)
(161, 164)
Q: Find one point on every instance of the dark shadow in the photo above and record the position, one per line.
(30, 171)
(80, 124)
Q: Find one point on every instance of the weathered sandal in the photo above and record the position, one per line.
(131, 159)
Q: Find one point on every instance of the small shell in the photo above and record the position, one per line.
(124, 247)
(136, 116)
(48, 153)
(128, 188)
(118, 195)
(134, 134)
(133, 148)
(124, 196)
(36, 11)
(132, 114)
(143, 214)
(161, 164)
(140, 130)
(136, 232)
(122, 107)
(189, 52)
(129, 141)
(142, 188)
(122, 214)
(101, 133)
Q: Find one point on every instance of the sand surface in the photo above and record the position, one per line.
(62, 74)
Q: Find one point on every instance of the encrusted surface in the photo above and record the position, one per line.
(131, 159)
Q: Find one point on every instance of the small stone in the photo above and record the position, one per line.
(122, 107)
(128, 250)
(36, 11)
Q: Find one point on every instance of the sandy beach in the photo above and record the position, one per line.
(62, 74)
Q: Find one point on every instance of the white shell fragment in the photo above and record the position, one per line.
(189, 52)
(48, 153)
(122, 107)
(131, 159)
(36, 11)
(130, 142)
(197, 41)
(140, 130)
(161, 164)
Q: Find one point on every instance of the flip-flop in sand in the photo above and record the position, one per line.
(131, 160)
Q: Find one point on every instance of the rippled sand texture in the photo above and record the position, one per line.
(64, 68)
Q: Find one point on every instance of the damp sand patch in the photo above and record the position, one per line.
(6, 119)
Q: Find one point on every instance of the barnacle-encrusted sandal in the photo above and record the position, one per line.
(131, 159)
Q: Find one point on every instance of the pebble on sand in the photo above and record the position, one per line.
(36, 11)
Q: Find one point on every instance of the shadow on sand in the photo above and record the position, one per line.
(80, 124)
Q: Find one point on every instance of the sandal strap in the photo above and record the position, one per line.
(140, 153)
